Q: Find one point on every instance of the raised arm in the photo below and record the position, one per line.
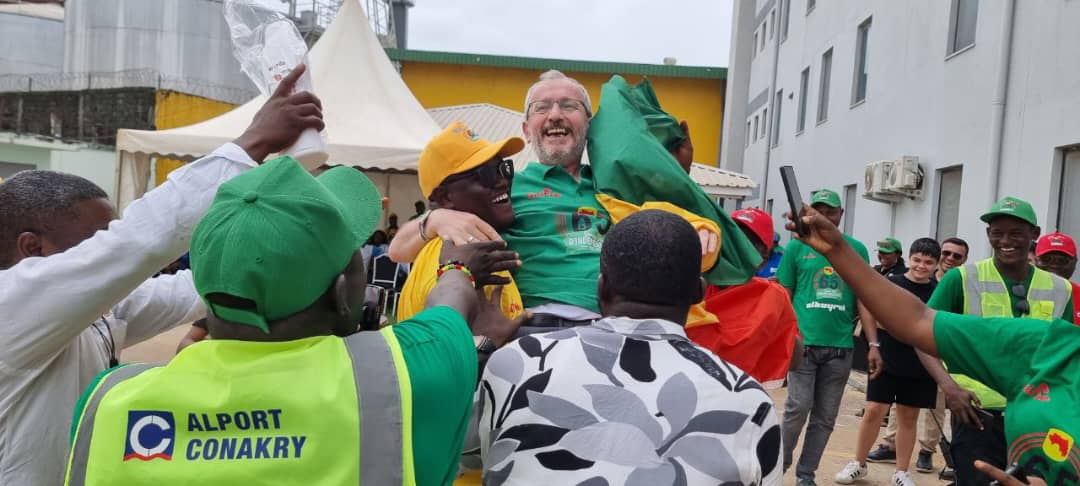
(48, 301)
(897, 310)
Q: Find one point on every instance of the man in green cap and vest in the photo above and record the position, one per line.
(825, 309)
(288, 392)
(1005, 285)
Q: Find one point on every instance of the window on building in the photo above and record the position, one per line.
(963, 16)
(785, 18)
(769, 207)
(764, 28)
(804, 92)
(755, 127)
(858, 88)
(810, 4)
(753, 47)
(1068, 219)
(823, 90)
(948, 204)
(749, 134)
(772, 22)
(764, 122)
(776, 117)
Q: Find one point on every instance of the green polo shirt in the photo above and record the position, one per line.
(824, 305)
(558, 231)
(1034, 365)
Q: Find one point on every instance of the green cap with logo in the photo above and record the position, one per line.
(275, 238)
(826, 197)
(1011, 206)
(889, 245)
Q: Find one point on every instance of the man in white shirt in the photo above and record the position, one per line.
(628, 399)
(73, 281)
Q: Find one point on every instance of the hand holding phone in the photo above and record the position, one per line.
(794, 197)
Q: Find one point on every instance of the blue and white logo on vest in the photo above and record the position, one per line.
(150, 435)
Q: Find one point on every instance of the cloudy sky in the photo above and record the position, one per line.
(695, 32)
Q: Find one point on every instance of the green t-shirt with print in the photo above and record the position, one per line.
(824, 305)
(558, 230)
(949, 294)
(1036, 366)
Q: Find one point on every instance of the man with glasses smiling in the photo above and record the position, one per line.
(1005, 285)
(558, 225)
(954, 253)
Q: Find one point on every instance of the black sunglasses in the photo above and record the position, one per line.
(952, 254)
(487, 174)
(1022, 304)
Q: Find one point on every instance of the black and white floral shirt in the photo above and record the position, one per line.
(623, 402)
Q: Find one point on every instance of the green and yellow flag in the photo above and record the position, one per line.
(629, 139)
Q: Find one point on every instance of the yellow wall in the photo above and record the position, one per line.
(698, 101)
(174, 110)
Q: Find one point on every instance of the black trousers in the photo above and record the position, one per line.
(970, 443)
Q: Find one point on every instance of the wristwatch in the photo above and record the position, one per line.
(422, 223)
(875, 344)
(484, 344)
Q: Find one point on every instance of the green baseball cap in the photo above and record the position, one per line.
(889, 245)
(826, 197)
(277, 237)
(1011, 206)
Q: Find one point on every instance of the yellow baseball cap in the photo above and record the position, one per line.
(457, 149)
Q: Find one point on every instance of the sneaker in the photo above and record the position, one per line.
(882, 454)
(805, 482)
(902, 478)
(851, 472)
(947, 474)
(925, 462)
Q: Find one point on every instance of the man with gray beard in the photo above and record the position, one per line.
(559, 225)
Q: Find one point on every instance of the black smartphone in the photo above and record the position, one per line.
(794, 198)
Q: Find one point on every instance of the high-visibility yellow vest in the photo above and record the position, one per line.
(985, 295)
(321, 410)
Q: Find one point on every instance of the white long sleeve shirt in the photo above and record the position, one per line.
(54, 311)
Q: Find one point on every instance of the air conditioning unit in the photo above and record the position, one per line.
(877, 177)
(906, 178)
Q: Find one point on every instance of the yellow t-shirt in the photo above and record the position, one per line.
(422, 278)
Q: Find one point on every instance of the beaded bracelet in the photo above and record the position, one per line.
(455, 265)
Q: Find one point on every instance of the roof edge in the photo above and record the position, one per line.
(537, 63)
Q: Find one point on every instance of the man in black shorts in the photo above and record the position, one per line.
(897, 376)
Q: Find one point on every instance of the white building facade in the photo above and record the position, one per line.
(983, 93)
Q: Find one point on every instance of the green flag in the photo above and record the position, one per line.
(628, 146)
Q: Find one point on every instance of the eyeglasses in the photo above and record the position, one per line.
(566, 105)
(1022, 304)
(487, 174)
(952, 254)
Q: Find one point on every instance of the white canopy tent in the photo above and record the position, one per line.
(372, 119)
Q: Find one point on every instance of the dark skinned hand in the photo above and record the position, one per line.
(823, 234)
(483, 259)
(491, 322)
(962, 403)
(281, 119)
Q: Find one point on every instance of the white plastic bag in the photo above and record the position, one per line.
(268, 47)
